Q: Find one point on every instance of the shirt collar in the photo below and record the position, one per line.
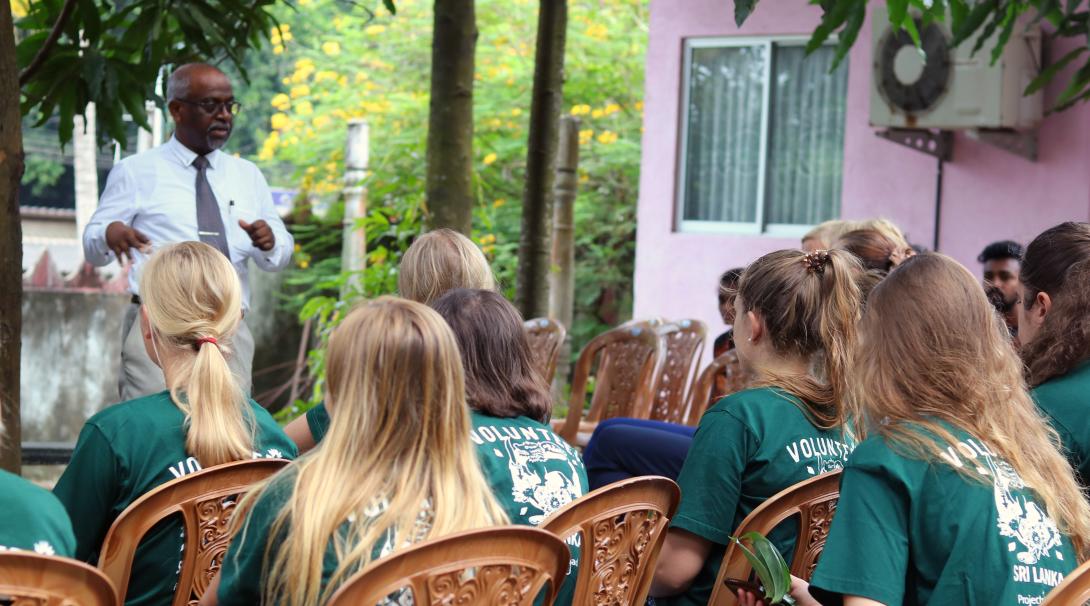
(185, 156)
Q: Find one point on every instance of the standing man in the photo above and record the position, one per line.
(1002, 265)
(187, 189)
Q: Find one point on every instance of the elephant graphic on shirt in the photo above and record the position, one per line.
(1020, 518)
(546, 490)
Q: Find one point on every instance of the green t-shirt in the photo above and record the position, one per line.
(33, 519)
(532, 471)
(1065, 401)
(908, 531)
(242, 575)
(122, 453)
(748, 447)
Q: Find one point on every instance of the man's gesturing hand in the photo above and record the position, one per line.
(260, 233)
(121, 239)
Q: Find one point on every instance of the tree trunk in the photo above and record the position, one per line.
(11, 245)
(532, 289)
(450, 121)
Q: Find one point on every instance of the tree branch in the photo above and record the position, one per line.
(47, 46)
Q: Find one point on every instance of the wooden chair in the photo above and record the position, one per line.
(720, 378)
(814, 502)
(39, 580)
(1074, 590)
(507, 566)
(684, 342)
(204, 501)
(629, 359)
(546, 338)
(623, 527)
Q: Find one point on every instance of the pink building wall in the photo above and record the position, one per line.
(988, 194)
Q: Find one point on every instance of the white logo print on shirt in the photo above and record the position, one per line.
(1020, 518)
(548, 493)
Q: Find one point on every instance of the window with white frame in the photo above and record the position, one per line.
(762, 136)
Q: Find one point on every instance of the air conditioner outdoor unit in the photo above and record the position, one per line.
(946, 88)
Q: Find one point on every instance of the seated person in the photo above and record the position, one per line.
(397, 467)
(34, 520)
(436, 262)
(532, 471)
(958, 493)
(191, 307)
(794, 311)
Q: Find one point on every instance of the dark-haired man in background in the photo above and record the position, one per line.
(1002, 265)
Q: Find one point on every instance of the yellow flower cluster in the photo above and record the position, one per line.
(583, 109)
(303, 69)
(331, 48)
(279, 121)
(268, 148)
(579, 110)
(607, 137)
(304, 108)
(597, 31)
(326, 74)
(19, 8)
(279, 36)
(489, 159)
(281, 102)
(374, 30)
(300, 90)
(498, 203)
(585, 136)
(487, 239)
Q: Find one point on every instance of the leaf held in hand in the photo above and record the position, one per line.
(769, 566)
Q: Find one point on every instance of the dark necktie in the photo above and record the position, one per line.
(209, 221)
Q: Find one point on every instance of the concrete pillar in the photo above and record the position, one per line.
(354, 247)
(85, 165)
(562, 278)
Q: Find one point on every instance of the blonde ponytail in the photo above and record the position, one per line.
(194, 304)
(811, 303)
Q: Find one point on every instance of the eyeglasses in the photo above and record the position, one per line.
(212, 108)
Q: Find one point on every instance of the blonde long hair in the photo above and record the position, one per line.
(399, 437)
(439, 261)
(933, 350)
(810, 304)
(191, 293)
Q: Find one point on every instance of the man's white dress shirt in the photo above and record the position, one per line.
(155, 192)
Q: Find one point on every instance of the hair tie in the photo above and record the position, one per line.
(816, 261)
(203, 340)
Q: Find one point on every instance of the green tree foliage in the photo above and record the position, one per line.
(969, 21)
(326, 67)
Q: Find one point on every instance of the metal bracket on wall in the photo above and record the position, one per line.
(939, 144)
(1019, 143)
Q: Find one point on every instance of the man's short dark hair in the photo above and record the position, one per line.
(997, 251)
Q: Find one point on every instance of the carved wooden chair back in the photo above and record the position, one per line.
(814, 503)
(720, 378)
(546, 338)
(1074, 590)
(622, 526)
(684, 342)
(205, 500)
(507, 565)
(30, 579)
(629, 358)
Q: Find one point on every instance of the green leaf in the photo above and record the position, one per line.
(1075, 88)
(971, 23)
(777, 567)
(898, 10)
(1050, 72)
(742, 10)
(768, 565)
(910, 27)
(389, 4)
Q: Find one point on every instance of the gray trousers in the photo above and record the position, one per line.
(140, 376)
